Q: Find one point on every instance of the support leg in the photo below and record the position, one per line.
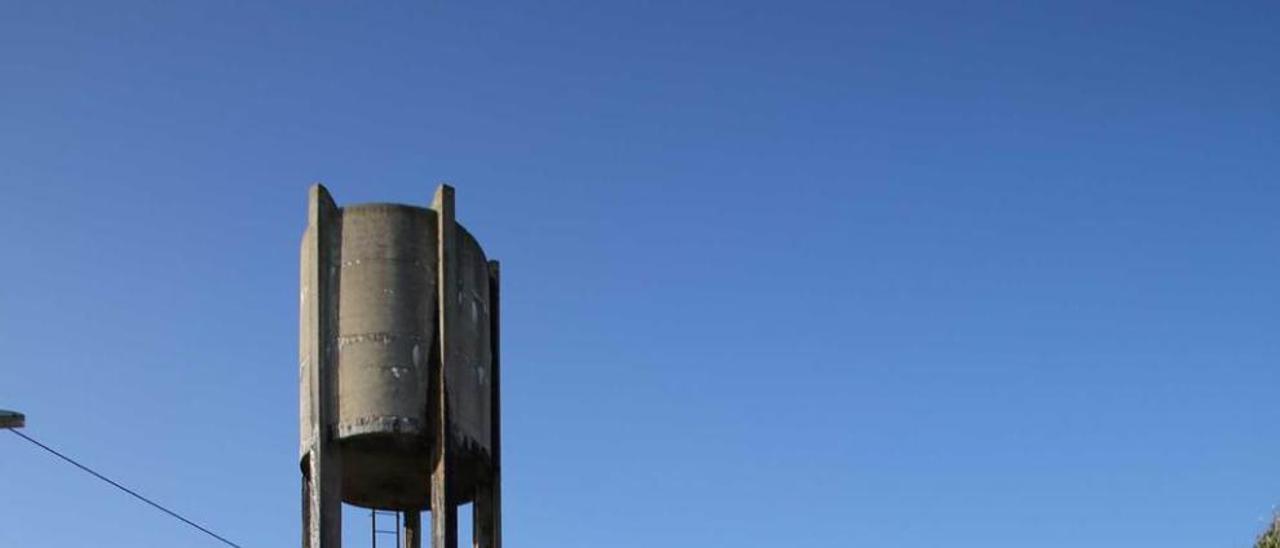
(322, 247)
(306, 511)
(444, 516)
(412, 529)
(483, 532)
(487, 513)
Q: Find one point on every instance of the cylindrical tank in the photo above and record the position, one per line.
(386, 329)
(388, 353)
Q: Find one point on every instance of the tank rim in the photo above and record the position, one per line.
(385, 205)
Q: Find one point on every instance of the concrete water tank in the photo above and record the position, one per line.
(385, 266)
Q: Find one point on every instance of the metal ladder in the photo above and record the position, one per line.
(373, 525)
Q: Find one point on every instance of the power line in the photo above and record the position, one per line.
(125, 489)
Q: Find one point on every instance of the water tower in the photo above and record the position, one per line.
(398, 370)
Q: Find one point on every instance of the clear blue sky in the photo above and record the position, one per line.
(775, 273)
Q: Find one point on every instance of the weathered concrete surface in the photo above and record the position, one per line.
(414, 365)
(317, 356)
(385, 336)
